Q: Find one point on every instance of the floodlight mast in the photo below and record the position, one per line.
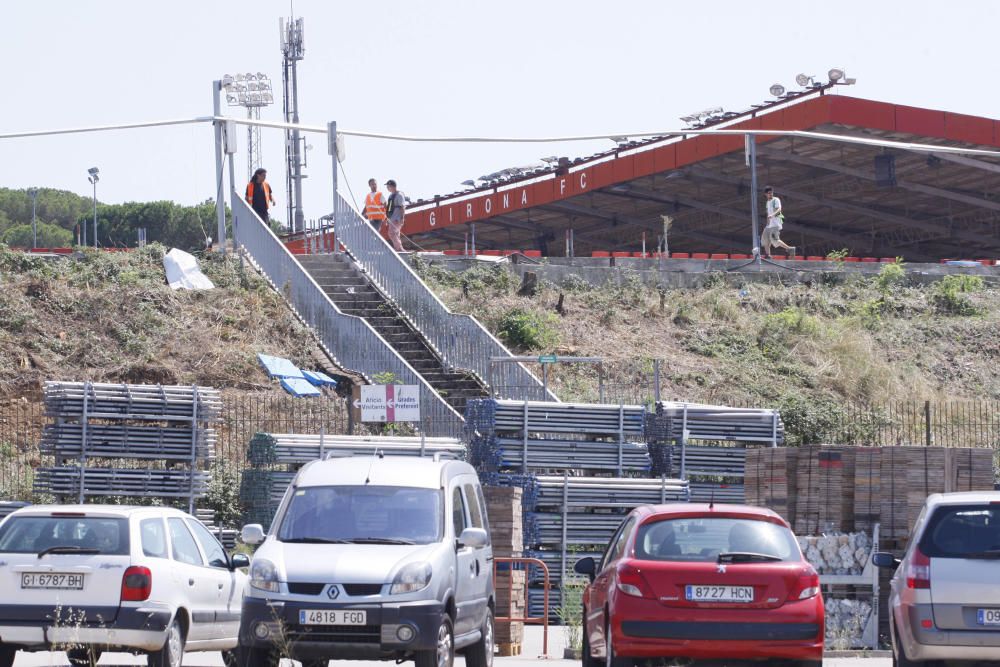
(292, 50)
(251, 91)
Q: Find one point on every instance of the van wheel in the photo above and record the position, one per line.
(444, 654)
(480, 654)
(7, 654)
(86, 656)
(172, 653)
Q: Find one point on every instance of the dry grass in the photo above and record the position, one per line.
(111, 317)
(863, 341)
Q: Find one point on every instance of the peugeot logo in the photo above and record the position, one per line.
(334, 592)
(721, 568)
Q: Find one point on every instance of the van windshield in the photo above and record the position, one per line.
(363, 515)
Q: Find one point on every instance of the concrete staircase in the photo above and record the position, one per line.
(353, 294)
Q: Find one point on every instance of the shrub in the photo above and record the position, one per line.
(777, 328)
(224, 495)
(527, 330)
(950, 294)
(838, 255)
(891, 275)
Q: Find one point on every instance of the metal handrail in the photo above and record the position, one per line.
(460, 340)
(350, 340)
(533, 620)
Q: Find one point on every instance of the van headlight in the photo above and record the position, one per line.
(412, 578)
(264, 575)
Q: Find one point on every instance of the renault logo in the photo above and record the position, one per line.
(334, 592)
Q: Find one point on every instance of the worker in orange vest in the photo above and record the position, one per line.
(259, 194)
(374, 206)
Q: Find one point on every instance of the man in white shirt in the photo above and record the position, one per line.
(772, 232)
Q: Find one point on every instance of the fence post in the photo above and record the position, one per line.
(656, 381)
(929, 439)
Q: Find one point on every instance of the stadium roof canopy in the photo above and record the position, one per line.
(937, 205)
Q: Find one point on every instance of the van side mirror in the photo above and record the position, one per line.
(239, 561)
(587, 566)
(252, 534)
(474, 538)
(885, 560)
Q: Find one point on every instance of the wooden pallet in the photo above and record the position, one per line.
(507, 650)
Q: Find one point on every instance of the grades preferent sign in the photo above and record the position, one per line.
(390, 403)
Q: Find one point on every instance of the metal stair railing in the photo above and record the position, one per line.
(350, 340)
(460, 340)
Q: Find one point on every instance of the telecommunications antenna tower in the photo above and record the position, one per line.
(292, 50)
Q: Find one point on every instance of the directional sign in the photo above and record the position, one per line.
(390, 403)
(547, 359)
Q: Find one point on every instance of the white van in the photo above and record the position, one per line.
(373, 558)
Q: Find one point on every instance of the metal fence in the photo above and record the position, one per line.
(349, 339)
(461, 340)
(244, 415)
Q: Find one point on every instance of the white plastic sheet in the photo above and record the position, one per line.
(183, 272)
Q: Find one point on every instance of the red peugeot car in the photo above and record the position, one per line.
(704, 582)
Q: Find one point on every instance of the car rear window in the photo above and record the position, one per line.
(703, 539)
(962, 531)
(35, 534)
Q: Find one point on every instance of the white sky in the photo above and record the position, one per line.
(507, 67)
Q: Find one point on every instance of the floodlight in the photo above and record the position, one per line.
(804, 80)
(251, 77)
(777, 90)
(551, 159)
(252, 86)
(260, 76)
(254, 98)
(93, 171)
(267, 98)
(242, 98)
(469, 183)
(619, 140)
(227, 80)
(232, 99)
(836, 74)
(240, 77)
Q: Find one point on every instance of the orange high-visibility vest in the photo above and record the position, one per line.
(374, 208)
(267, 193)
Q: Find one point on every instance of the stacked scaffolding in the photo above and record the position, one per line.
(128, 440)
(582, 467)
(275, 458)
(715, 465)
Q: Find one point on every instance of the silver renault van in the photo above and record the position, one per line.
(373, 558)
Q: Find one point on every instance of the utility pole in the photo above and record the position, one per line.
(751, 157)
(93, 177)
(293, 50)
(33, 193)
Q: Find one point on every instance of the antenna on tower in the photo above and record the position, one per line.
(292, 51)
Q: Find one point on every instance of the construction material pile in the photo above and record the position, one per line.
(97, 430)
(529, 435)
(840, 554)
(503, 506)
(276, 457)
(846, 623)
(825, 490)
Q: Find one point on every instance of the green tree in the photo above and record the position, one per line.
(49, 236)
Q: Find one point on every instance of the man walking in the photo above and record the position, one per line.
(772, 232)
(374, 206)
(259, 194)
(395, 211)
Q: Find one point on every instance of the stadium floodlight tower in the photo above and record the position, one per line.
(252, 92)
(93, 178)
(293, 50)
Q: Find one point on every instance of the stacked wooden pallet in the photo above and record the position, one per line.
(771, 478)
(867, 488)
(504, 508)
(824, 502)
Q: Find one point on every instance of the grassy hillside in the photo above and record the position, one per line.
(861, 341)
(111, 317)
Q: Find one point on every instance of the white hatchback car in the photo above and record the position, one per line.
(945, 599)
(94, 578)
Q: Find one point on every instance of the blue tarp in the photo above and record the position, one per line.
(319, 378)
(299, 387)
(277, 367)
